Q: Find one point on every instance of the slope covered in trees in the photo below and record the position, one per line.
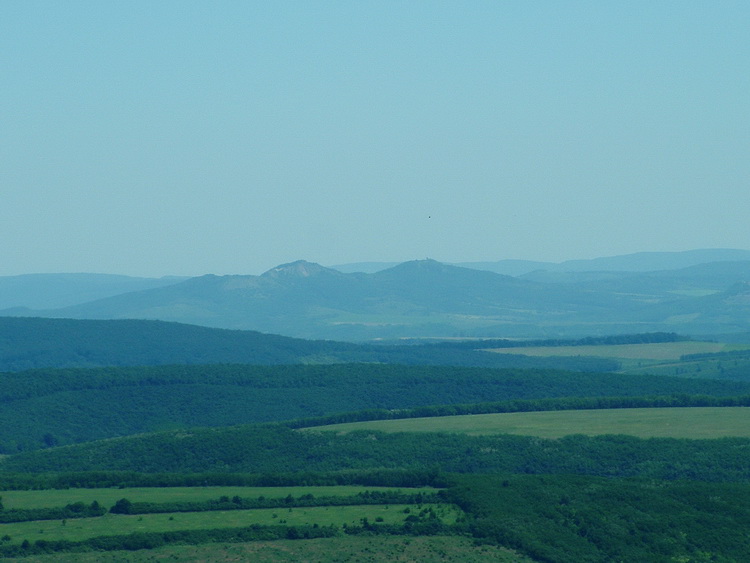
(569, 519)
(42, 408)
(277, 450)
(28, 343)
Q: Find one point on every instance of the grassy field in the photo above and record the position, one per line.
(108, 497)
(693, 422)
(661, 351)
(119, 524)
(737, 369)
(661, 358)
(329, 550)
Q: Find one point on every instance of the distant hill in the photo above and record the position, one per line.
(364, 267)
(27, 343)
(31, 343)
(307, 300)
(697, 280)
(638, 262)
(51, 291)
(428, 299)
(729, 308)
(655, 261)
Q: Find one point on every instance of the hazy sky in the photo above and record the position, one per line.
(186, 137)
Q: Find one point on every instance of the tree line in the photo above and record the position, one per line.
(529, 405)
(69, 511)
(124, 506)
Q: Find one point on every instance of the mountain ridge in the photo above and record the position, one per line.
(634, 262)
(427, 298)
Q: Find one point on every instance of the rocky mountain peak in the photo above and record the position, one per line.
(298, 269)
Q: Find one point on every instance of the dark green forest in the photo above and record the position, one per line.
(277, 449)
(573, 519)
(51, 407)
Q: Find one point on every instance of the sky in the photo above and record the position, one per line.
(189, 137)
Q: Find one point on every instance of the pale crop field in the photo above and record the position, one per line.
(687, 422)
(661, 351)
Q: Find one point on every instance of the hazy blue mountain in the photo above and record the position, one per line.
(51, 291)
(425, 298)
(655, 261)
(307, 300)
(505, 267)
(638, 262)
(364, 267)
(729, 309)
(508, 267)
(698, 280)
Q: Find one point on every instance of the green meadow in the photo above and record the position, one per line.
(108, 497)
(657, 358)
(118, 524)
(691, 422)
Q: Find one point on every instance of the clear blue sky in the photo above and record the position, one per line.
(186, 137)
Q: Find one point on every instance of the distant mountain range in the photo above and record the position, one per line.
(49, 291)
(698, 292)
(638, 262)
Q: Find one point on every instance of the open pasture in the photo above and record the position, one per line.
(118, 524)
(51, 498)
(688, 422)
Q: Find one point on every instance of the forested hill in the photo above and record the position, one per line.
(49, 407)
(277, 450)
(29, 343)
